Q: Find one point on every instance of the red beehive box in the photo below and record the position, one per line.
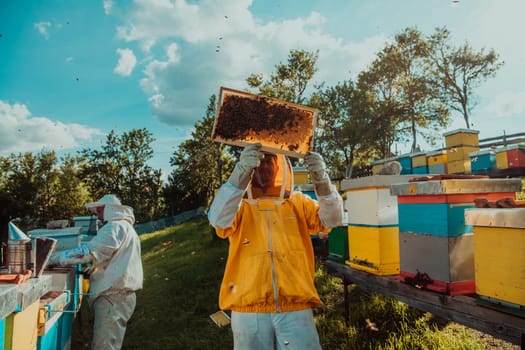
(516, 156)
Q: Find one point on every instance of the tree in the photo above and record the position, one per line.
(201, 166)
(379, 102)
(458, 70)
(289, 81)
(344, 133)
(120, 168)
(422, 105)
(38, 188)
(71, 192)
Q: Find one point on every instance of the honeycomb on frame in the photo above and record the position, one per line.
(280, 126)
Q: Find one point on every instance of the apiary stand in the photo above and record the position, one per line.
(461, 309)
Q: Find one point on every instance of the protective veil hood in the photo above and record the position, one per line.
(119, 212)
(282, 182)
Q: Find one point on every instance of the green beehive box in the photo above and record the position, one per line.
(338, 244)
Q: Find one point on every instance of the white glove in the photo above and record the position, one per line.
(250, 159)
(78, 255)
(316, 168)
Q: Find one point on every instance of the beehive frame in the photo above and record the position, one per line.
(280, 126)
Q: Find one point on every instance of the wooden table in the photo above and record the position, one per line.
(460, 309)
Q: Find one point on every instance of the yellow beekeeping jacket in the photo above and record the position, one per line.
(270, 266)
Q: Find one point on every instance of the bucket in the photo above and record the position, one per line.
(18, 256)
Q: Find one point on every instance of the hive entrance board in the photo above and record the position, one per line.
(281, 127)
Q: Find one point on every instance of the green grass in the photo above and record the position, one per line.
(181, 290)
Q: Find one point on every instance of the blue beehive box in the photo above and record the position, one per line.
(482, 162)
(2, 331)
(406, 162)
(443, 219)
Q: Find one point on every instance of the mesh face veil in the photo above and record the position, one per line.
(273, 177)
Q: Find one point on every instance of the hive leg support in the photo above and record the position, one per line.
(346, 283)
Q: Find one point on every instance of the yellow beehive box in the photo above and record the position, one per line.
(374, 249)
(21, 332)
(373, 235)
(460, 152)
(499, 254)
(437, 157)
(419, 159)
(502, 161)
(300, 176)
(459, 167)
(461, 137)
(437, 162)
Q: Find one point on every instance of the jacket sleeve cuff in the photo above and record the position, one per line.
(331, 209)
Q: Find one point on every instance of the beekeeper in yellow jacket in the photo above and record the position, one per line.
(117, 270)
(268, 282)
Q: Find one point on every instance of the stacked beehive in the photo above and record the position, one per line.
(435, 245)
(373, 240)
(460, 143)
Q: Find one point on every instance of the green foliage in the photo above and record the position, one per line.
(458, 70)
(344, 135)
(38, 188)
(289, 81)
(402, 68)
(120, 168)
(71, 192)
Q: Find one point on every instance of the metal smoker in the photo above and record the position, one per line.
(18, 251)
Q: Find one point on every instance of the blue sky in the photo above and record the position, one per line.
(72, 71)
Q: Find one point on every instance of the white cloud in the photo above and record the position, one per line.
(43, 28)
(126, 62)
(172, 53)
(193, 47)
(108, 6)
(507, 104)
(22, 132)
(220, 44)
(69, 59)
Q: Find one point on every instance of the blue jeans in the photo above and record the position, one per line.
(265, 331)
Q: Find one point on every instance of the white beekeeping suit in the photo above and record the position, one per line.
(117, 270)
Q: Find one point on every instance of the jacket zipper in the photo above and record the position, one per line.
(270, 250)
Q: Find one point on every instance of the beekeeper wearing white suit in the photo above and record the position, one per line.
(268, 282)
(116, 272)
